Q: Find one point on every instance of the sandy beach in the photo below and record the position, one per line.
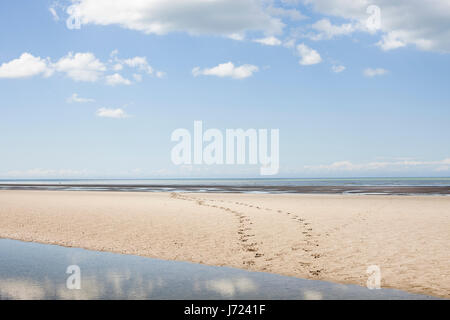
(322, 237)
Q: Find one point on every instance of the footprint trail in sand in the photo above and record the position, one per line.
(263, 255)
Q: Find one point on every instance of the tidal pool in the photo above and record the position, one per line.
(38, 271)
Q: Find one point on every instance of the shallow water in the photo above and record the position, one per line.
(380, 186)
(37, 271)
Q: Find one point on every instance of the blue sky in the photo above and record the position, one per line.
(386, 114)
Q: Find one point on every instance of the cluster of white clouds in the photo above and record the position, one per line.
(138, 63)
(325, 30)
(402, 23)
(81, 66)
(118, 113)
(227, 69)
(425, 24)
(345, 166)
(85, 67)
(212, 17)
(230, 18)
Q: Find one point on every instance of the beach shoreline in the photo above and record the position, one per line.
(238, 188)
(330, 237)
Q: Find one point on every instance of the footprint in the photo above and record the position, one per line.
(315, 272)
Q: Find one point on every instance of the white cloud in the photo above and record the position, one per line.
(140, 63)
(227, 70)
(391, 41)
(308, 56)
(425, 24)
(369, 72)
(236, 36)
(116, 79)
(218, 17)
(337, 69)
(324, 29)
(25, 66)
(269, 41)
(112, 113)
(81, 66)
(292, 14)
(75, 98)
(439, 165)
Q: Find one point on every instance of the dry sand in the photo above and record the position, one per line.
(326, 237)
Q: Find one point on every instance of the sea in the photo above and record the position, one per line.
(398, 186)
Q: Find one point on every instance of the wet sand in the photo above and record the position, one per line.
(322, 237)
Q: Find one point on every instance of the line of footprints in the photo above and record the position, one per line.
(244, 229)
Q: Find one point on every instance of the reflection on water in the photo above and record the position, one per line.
(37, 271)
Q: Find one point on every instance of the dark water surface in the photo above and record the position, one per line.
(37, 271)
(397, 186)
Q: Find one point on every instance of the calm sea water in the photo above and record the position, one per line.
(397, 186)
(445, 181)
(37, 271)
